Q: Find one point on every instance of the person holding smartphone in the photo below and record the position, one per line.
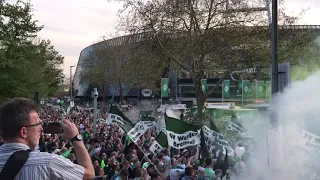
(21, 129)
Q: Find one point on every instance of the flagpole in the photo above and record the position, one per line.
(242, 91)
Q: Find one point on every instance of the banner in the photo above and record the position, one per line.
(246, 88)
(260, 90)
(181, 141)
(114, 110)
(226, 88)
(114, 119)
(300, 137)
(164, 87)
(139, 129)
(155, 147)
(211, 134)
(268, 90)
(216, 139)
(204, 85)
(234, 127)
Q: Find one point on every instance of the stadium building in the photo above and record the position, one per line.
(180, 85)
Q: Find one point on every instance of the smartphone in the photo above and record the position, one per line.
(52, 128)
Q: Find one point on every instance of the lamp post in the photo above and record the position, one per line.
(95, 113)
(274, 46)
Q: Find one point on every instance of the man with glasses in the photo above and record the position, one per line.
(21, 128)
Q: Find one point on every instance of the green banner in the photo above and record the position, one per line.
(239, 90)
(164, 87)
(204, 85)
(260, 89)
(268, 90)
(226, 88)
(246, 88)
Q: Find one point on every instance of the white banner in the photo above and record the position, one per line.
(181, 141)
(211, 134)
(300, 137)
(216, 139)
(139, 129)
(155, 147)
(114, 119)
(234, 127)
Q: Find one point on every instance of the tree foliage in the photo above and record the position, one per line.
(27, 64)
(212, 36)
(136, 64)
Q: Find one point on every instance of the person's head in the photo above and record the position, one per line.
(103, 156)
(123, 174)
(96, 163)
(125, 164)
(139, 173)
(189, 171)
(208, 162)
(175, 162)
(160, 156)
(20, 122)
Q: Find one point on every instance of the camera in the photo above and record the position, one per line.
(52, 128)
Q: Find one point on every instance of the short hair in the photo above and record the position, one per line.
(123, 173)
(15, 114)
(189, 170)
(208, 161)
(139, 172)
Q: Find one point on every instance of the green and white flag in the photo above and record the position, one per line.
(115, 116)
(155, 147)
(268, 90)
(260, 89)
(246, 88)
(114, 110)
(139, 129)
(216, 139)
(164, 87)
(236, 128)
(181, 134)
(204, 85)
(181, 141)
(226, 88)
(114, 119)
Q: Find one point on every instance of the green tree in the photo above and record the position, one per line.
(26, 63)
(215, 36)
(138, 65)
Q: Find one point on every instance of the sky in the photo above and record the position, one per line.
(72, 25)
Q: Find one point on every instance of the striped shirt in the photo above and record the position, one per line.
(41, 165)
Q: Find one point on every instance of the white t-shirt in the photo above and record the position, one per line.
(175, 173)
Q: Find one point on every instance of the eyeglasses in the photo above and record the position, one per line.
(32, 125)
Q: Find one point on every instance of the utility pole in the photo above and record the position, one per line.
(274, 57)
(274, 46)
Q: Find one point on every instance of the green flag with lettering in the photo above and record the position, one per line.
(226, 88)
(260, 89)
(204, 85)
(268, 90)
(164, 87)
(246, 88)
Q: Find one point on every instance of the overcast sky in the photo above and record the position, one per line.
(72, 25)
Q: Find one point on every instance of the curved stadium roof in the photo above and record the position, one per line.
(80, 86)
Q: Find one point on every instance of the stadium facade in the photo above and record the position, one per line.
(180, 85)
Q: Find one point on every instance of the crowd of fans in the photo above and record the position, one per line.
(114, 157)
